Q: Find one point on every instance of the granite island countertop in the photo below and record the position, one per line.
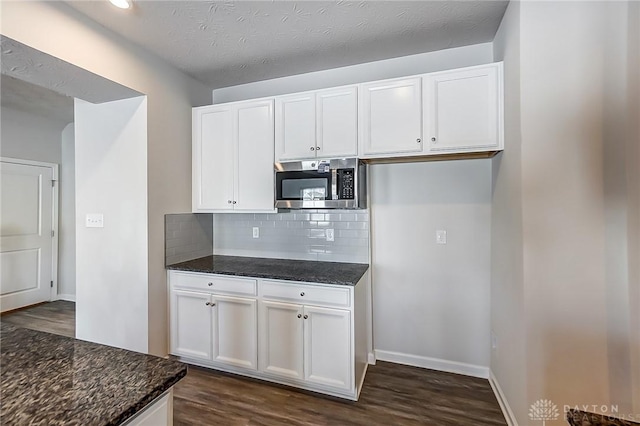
(48, 379)
(279, 269)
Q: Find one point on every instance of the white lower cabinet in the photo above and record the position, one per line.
(311, 336)
(327, 347)
(306, 342)
(281, 339)
(214, 328)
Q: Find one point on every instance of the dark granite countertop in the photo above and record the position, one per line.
(48, 379)
(279, 269)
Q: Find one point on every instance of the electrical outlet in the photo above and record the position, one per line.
(256, 232)
(441, 236)
(494, 341)
(94, 220)
(329, 233)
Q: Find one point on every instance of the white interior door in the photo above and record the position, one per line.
(26, 223)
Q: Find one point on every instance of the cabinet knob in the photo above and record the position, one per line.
(209, 284)
(299, 315)
(213, 304)
(433, 139)
(208, 304)
(229, 201)
(312, 149)
(235, 202)
(302, 293)
(418, 140)
(306, 316)
(317, 148)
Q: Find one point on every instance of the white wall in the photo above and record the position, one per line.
(67, 218)
(566, 206)
(389, 68)
(171, 94)
(111, 179)
(431, 301)
(508, 359)
(30, 137)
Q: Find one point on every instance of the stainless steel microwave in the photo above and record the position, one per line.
(321, 184)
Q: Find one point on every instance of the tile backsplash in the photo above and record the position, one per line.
(298, 234)
(187, 236)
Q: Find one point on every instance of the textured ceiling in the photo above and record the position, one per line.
(228, 43)
(33, 66)
(23, 96)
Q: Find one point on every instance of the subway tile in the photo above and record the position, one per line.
(302, 216)
(316, 216)
(347, 217)
(324, 224)
(317, 233)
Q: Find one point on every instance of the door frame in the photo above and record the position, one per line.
(53, 294)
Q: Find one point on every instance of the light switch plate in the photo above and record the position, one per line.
(441, 236)
(94, 220)
(256, 232)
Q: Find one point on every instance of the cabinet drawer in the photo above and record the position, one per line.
(306, 294)
(214, 283)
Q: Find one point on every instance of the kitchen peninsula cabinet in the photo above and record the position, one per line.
(318, 124)
(233, 157)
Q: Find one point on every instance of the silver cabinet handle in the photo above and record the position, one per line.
(418, 140)
(317, 148)
(306, 316)
(235, 202)
(433, 139)
(302, 293)
(209, 284)
(312, 149)
(299, 315)
(213, 304)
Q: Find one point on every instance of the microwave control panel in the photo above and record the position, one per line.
(346, 184)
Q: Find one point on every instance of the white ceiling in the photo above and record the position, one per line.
(228, 43)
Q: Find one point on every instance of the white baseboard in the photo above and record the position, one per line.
(372, 358)
(67, 297)
(502, 400)
(433, 363)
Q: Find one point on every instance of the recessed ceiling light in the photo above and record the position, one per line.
(122, 4)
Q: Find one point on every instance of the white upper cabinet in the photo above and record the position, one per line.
(212, 164)
(463, 109)
(390, 118)
(254, 157)
(295, 126)
(337, 122)
(233, 157)
(319, 124)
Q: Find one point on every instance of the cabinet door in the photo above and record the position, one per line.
(337, 122)
(295, 127)
(463, 109)
(391, 117)
(191, 317)
(235, 333)
(327, 347)
(280, 339)
(213, 143)
(254, 189)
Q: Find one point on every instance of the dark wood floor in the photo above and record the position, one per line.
(392, 394)
(57, 317)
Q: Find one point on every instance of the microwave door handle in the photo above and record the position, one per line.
(334, 184)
